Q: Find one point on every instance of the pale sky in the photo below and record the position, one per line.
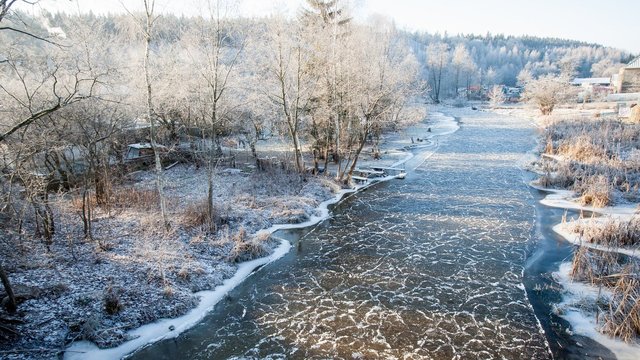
(612, 23)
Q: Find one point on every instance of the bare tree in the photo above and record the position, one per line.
(146, 27)
(462, 65)
(292, 81)
(496, 96)
(383, 82)
(437, 61)
(215, 50)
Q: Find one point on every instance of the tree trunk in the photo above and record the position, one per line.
(210, 207)
(11, 305)
(363, 141)
(86, 214)
(298, 153)
(154, 146)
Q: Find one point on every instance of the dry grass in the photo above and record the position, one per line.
(595, 191)
(139, 199)
(635, 114)
(598, 159)
(612, 233)
(594, 267)
(581, 148)
(196, 216)
(245, 249)
(623, 316)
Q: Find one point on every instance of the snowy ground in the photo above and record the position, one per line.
(156, 276)
(152, 275)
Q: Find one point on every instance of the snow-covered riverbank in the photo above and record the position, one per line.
(577, 159)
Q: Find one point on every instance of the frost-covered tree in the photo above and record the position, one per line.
(605, 68)
(214, 48)
(547, 91)
(146, 23)
(463, 65)
(383, 82)
(328, 31)
(290, 81)
(496, 96)
(438, 57)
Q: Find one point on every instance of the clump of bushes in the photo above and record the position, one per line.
(196, 215)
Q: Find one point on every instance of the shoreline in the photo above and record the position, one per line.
(567, 303)
(164, 328)
(574, 293)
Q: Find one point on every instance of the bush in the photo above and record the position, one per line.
(112, 304)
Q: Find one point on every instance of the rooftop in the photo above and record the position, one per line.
(600, 81)
(635, 63)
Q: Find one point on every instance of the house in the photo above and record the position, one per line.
(591, 88)
(141, 152)
(512, 94)
(628, 79)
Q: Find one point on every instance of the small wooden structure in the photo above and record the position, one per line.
(375, 173)
(359, 179)
(369, 173)
(391, 171)
(141, 151)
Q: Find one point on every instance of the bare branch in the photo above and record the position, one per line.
(31, 35)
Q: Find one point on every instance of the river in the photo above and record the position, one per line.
(440, 265)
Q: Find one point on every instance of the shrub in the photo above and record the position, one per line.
(112, 304)
(196, 216)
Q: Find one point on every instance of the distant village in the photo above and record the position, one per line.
(622, 90)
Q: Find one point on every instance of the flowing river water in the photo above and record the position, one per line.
(441, 265)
